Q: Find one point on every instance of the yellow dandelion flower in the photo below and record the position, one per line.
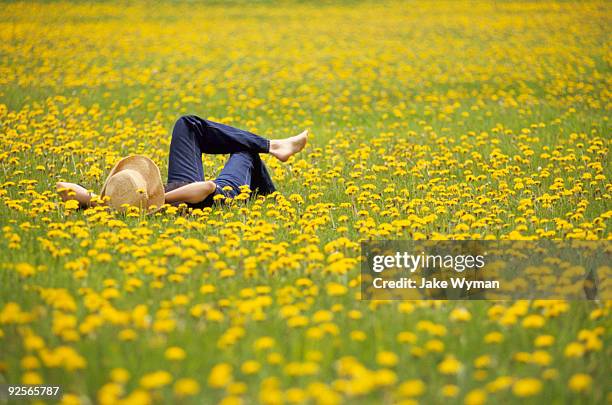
(475, 397)
(175, 353)
(494, 337)
(460, 314)
(411, 388)
(580, 382)
(533, 322)
(387, 359)
(358, 335)
(31, 378)
(335, 289)
(156, 379)
(119, 375)
(527, 387)
(544, 341)
(186, 387)
(250, 367)
(220, 375)
(449, 366)
(574, 349)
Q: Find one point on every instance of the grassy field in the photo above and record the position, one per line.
(461, 120)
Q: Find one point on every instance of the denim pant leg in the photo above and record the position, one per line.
(185, 158)
(262, 182)
(192, 136)
(217, 138)
(245, 168)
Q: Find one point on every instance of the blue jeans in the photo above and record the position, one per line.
(192, 136)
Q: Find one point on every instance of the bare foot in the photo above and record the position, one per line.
(283, 149)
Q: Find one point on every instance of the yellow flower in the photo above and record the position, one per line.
(411, 388)
(335, 289)
(30, 363)
(483, 361)
(128, 334)
(250, 367)
(156, 379)
(33, 342)
(434, 346)
(450, 365)
(296, 395)
(263, 343)
(574, 349)
(460, 314)
(300, 369)
(406, 337)
(297, 321)
(175, 353)
(475, 397)
(237, 388)
(25, 269)
(544, 341)
(71, 205)
(384, 377)
(220, 375)
(387, 359)
(274, 358)
(580, 382)
(31, 378)
(494, 337)
(358, 335)
(533, 322)
(70, 399)
(526, 387)
(119, 375)
(500, 383)
(322, 316)
(138, 396)
(540, 357)
(186, 387)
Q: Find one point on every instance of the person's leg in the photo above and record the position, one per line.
(185, 171)
(185, 158)
(193, 136)
(217, 138)
(244, 168)
(261, 180)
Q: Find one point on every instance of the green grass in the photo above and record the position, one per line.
(382, 86)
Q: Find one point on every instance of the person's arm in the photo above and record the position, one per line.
(71, 191)
(191, 193)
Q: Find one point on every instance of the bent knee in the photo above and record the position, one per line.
(185, 119)
(202, 190)
(182, 122)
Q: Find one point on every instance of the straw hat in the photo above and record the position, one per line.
(135, 181)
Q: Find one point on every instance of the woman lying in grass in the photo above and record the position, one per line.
(136, 181)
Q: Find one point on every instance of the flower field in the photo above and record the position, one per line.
(429, 120)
